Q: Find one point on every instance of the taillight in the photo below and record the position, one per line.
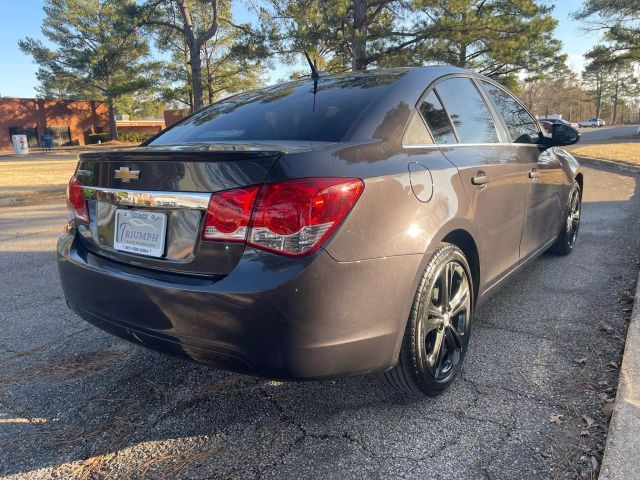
(76, 202)
(228, 214)
(292, 217)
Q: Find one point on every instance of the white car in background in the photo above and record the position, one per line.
(592, 122)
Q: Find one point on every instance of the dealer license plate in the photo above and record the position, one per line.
(140, 232)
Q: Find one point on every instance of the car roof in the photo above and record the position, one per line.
(396, 71)
(395, 105)
(402, 92)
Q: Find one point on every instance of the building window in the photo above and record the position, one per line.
(61, 135)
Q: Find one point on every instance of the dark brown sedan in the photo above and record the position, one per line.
(309, 231)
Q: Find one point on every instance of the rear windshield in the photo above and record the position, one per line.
(288, 111)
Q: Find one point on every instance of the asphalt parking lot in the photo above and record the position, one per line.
(542, 366)
(603, 134)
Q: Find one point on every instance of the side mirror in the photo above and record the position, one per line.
(564, 135)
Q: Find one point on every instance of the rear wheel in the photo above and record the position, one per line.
(437, 333)
(569, 232)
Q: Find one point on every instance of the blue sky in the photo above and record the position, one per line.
(21, 18)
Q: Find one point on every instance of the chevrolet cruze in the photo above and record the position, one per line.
(322, 227)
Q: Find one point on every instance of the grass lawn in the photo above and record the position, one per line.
(628, 152)
(22, 181)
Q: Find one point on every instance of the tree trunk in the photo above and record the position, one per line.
(599, 92)
(195, 41)
(208, 76)
(113, 129)
(196, 76)
(359, 37)
(614, 113)
(462, 56)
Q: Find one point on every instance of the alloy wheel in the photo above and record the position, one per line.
(573, 216)
(444, 324)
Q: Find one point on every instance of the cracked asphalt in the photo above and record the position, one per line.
(78, 403)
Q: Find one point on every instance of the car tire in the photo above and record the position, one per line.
(437, 332)
(571, 224)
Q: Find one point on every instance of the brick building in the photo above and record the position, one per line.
(68, 121)
(149, 127)
(175, 115)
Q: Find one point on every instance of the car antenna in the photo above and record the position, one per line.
(315, 76)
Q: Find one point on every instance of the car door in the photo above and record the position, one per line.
(545, 177)
(464, 128)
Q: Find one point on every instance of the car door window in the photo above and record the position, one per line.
(437, 119)
(468, 111)
(521, 126)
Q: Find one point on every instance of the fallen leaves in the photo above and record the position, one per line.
(608, 409)
(557, 419)
(604, 396)
(589, 421)
(606, 328)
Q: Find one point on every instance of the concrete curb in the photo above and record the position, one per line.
(622, 451)
(598, 162)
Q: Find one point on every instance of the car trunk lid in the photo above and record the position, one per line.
(147, 205)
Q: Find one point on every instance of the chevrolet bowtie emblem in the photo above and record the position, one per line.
(126, 175)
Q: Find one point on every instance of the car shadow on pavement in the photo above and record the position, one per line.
(77, 402)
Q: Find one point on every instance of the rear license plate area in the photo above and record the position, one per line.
(140, 232)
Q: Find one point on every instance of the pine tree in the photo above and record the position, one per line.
(620, 20)
(225, 67)
(495, 37)
(99, 51)
(338, 34)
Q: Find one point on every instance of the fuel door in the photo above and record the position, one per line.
(421, 181)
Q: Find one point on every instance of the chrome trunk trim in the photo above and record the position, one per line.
(148, 199)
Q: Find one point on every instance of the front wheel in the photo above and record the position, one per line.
(437, 333)
(569, 231)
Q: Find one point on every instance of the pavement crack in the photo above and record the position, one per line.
(491, 326)
(306, 434)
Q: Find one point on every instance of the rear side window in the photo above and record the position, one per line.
(468, 111)
(437, 119)
(416, 133)
(288, 111)
(519, 122)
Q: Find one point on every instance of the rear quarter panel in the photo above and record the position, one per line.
(388, 219)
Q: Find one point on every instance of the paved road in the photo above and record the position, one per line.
(76, 402)
(597, 135)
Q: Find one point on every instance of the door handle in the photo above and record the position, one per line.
(480, 180)
(534, 174)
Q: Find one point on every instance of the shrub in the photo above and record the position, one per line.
(134, 137)
(93, 138)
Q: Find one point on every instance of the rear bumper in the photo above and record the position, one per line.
(271, 316)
